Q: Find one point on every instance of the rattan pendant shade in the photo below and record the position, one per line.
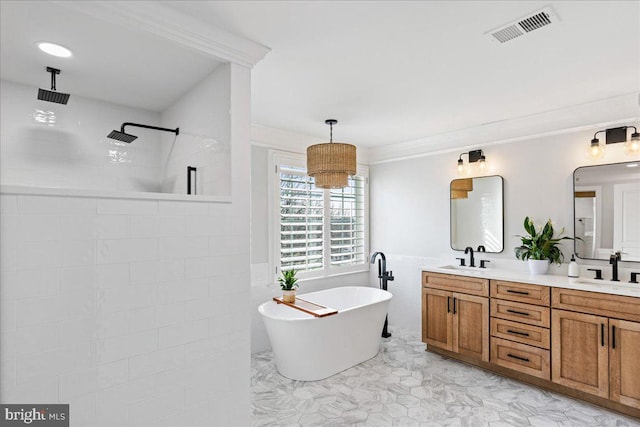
(331, 163)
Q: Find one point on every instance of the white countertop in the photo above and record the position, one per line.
(583, 284)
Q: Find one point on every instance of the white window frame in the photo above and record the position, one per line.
(277, 158)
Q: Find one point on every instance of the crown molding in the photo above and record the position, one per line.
(618, 110)
(173, 25)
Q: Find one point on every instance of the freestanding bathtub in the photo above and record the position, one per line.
(309, 348)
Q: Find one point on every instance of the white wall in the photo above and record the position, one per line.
(202, 115)
(135, 312)
(410, 207)
(43, 144)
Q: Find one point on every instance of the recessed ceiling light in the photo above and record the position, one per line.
(632, 165)
(54, 49)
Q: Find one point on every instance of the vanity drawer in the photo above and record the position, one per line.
(616, 306)
(521, 292)
(462, 284)
(520, 332)
(519, 312)
(522, 358)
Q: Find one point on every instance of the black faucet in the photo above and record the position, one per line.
(481, 248)
(472, 261)
(384, 276)
(634, 277)
(613, 260)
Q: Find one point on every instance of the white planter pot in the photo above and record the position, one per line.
(538, 266)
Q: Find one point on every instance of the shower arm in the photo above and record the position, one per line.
(176, 130)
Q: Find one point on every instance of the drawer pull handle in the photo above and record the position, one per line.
(602, 334)
(454, 305)
(511, 291)
(521, 313)
(448, 304)
(524, 359)
(524, 334)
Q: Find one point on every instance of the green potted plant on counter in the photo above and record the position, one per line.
(540, 247)
(288, 284)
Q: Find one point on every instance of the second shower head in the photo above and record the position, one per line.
(121, 135)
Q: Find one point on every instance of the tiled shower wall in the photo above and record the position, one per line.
(124, 308)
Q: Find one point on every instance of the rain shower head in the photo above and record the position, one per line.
(53, 95)
(121, 135)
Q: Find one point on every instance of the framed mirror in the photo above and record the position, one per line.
(477, 213)
(606, 211)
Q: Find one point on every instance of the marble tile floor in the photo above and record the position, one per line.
(406, 386)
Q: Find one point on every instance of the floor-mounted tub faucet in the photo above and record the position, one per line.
(384, 276)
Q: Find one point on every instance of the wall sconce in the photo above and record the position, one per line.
(474, 156)
(613, 136)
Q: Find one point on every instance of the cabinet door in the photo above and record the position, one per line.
(624, 362)
(436, 327)
(579, 348)
(471, 326)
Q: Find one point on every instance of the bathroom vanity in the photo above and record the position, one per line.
(567, 335)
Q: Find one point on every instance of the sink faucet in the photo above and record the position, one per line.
(481, 248)
(469, 250)
(613, 260)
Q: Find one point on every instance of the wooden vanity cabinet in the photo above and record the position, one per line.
(596, 348)
(454, 320)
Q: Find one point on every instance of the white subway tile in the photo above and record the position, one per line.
(77, 330)
(112, 400)
(37, 339)
(171, 207)
(171, 292)
(38, 255)
(112, 275)
(94, 227)
(220, 209)
(172, 226)
(126, 250)
(207, 226)
(171, 314)
(114, 373)
(154, 271)
(32, 311)
(56, 362)
(158, 361)
(78, 383)
(206, 307)
(142, 226)
(143, 319)
(29, 283)
(113, 324)
(39, 227)
(147, 413)
(127, 298)
(84, 408)
(8, 310)
(42, 389)
(127, 207)
(10, 230)
(206, 347)
(8, 204)
(183, 333)
(28, 204)
(183, 247)
(122, 347)
(8, 370)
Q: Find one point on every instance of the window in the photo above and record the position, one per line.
(318, 232)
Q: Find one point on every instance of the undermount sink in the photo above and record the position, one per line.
(463, 268)
(607, 283)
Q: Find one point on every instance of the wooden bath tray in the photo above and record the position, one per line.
(308, 307)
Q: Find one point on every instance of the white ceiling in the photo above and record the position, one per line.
(417, 74)
(396, 71)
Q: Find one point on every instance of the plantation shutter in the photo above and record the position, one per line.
(347, 242)
(301, 221)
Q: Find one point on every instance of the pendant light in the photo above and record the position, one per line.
(331, 163)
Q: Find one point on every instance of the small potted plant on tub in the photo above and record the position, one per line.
(539, 247)
(288, 284)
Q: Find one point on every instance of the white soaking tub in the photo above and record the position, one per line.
(309, 348)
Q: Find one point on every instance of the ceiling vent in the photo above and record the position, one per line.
(531, 22)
